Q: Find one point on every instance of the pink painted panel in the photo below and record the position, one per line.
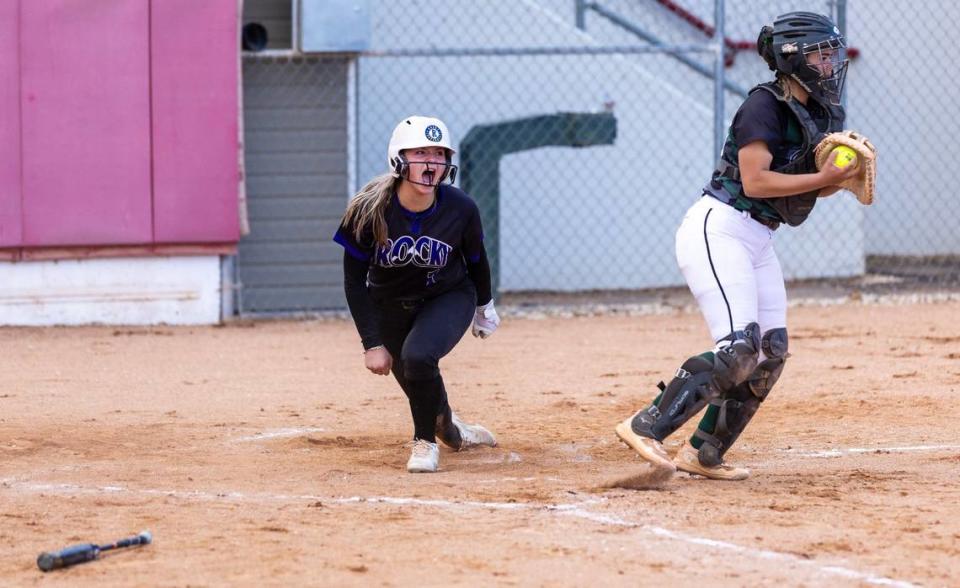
(86, 122)
(10, 191)
(195, 105)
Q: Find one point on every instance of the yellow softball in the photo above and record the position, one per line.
(845, 156)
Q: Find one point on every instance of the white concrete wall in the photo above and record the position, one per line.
(601, 217)
(900, 96)
(127, 291)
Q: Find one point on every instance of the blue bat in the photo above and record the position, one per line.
(85, 552)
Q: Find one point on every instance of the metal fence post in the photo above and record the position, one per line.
(719, 74)
(842, 25)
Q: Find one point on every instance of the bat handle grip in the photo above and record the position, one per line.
(74, 554)
(142, 539)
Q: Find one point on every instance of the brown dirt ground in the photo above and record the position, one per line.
(263, 454)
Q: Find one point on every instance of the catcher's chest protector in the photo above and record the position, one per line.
(792, 210)
(795, 209)
(805, 163)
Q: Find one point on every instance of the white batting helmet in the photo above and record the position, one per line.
(417, 131)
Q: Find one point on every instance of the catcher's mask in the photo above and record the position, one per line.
(809, 48)
(421, 131)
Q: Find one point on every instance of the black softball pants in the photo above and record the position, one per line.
(417, 334)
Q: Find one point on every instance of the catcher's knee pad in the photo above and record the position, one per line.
(775, 343)
(739, 404)
(774, 346)
(737, 359)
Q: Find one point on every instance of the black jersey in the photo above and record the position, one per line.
(762, 117)
(426, 252)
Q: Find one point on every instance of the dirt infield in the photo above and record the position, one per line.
(263, 454)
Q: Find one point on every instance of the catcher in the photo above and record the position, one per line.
(778, 160)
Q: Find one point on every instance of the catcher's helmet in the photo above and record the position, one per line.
(419, 131)
(795, 35)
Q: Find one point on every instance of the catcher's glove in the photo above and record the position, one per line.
(863, 184)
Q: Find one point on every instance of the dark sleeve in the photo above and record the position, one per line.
(472, 241)
(758, 119)
(358, 299)
(479, 272)
(478, 266)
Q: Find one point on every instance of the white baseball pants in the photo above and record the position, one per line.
(729, 263)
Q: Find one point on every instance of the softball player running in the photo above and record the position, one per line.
(416, 274)
(766, 176)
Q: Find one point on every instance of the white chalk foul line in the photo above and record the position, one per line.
(515, 479)
(569, 509)
(727, 546)
(39, 487)
(859, 450)
(275, 434)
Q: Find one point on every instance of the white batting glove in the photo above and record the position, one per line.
(485, 320)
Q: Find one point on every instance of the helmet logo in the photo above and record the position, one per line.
(788, 48)
(836, 31)
(433, 133)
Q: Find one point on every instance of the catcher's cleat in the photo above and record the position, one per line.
(649, 449)
(688, 460)
(458, 435)
(424, 457)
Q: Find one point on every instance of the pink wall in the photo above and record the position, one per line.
(10, 193)
(129, 122)
(86, 122)
(194, 120)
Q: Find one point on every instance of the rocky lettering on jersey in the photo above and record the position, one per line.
(423, 252)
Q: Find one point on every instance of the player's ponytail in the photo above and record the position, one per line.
(368, 208)
(785, 87)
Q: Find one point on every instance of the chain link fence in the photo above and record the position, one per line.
(584, 131)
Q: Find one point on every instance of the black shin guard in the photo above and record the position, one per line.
(699, 380)
(735, 410)
(688, 392)
(738, 406)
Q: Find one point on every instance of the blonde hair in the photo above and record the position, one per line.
(368, 208)
(786, 86)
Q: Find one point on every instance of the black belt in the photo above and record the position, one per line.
(406, 305)
(767, 222)
(395, 303)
